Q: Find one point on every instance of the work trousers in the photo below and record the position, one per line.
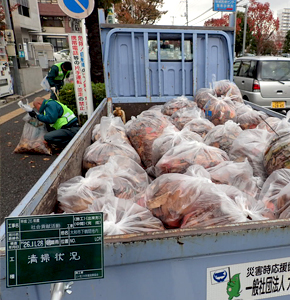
(61, 137)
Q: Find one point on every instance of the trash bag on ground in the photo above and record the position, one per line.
(32, 138)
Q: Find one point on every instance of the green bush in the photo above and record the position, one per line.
(67, 97)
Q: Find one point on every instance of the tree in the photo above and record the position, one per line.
(224, 21)
(94, 39)
(286, 46)
(262, 24)
(2, 16)
(139, 11)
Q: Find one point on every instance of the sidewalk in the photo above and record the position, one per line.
(18, 172)
(12, 98)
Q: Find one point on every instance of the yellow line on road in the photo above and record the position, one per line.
(16, 112)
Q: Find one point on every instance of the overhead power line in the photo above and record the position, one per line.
(200, 15)
(209, 16)
(208, 11)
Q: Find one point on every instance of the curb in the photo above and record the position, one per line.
(13, 98)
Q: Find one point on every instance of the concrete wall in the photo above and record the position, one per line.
(30, 79)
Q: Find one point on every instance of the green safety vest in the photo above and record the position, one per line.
(60, 75)
(66, 117)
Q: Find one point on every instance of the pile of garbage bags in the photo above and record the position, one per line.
(207, 162)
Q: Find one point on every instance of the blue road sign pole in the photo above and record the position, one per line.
(87, 71)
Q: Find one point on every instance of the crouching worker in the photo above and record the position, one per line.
(61, 122)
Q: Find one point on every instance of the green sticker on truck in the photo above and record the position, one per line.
(54, 248)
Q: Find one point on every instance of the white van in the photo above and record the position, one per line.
(264, 80)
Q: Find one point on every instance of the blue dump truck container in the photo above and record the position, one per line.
(242, 261)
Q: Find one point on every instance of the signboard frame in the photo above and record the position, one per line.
(225, 5)
(54, 248)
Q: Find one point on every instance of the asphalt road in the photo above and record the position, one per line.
(18, 172)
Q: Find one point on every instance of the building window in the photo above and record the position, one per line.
(58, 43)
(23, 8)
(48, 1)
(51, 21)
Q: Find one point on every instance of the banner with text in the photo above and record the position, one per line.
(251, 280)
(78, 65)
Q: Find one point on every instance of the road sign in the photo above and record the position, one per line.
(54, 248)
(224, 5)
(78, 9)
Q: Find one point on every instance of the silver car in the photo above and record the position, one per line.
(264, 80)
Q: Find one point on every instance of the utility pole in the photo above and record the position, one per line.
(245, 28)
(172, 19)
(186, 12)
(16, 75)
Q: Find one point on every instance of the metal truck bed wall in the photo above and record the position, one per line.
(172, 264)
(132, 75)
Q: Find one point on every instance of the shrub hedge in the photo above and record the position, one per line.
(67, 97)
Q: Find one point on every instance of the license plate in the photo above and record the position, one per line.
(278, 104)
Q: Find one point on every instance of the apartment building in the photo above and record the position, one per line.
(284, 19)
(55, 24)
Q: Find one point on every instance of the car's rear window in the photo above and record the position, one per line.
(275, 70)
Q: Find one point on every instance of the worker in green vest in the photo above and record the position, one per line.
(61, 122)
(56, 76)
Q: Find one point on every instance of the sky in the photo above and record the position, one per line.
(177, 8)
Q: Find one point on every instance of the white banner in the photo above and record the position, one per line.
(252, 280)
(78, 65)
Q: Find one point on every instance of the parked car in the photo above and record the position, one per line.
(264, 80)
(62, 55)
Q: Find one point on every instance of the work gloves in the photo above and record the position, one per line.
(32, 114)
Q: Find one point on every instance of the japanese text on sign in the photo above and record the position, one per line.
(78, 66)
(256, 280)
(36, 245)
(224, 5)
